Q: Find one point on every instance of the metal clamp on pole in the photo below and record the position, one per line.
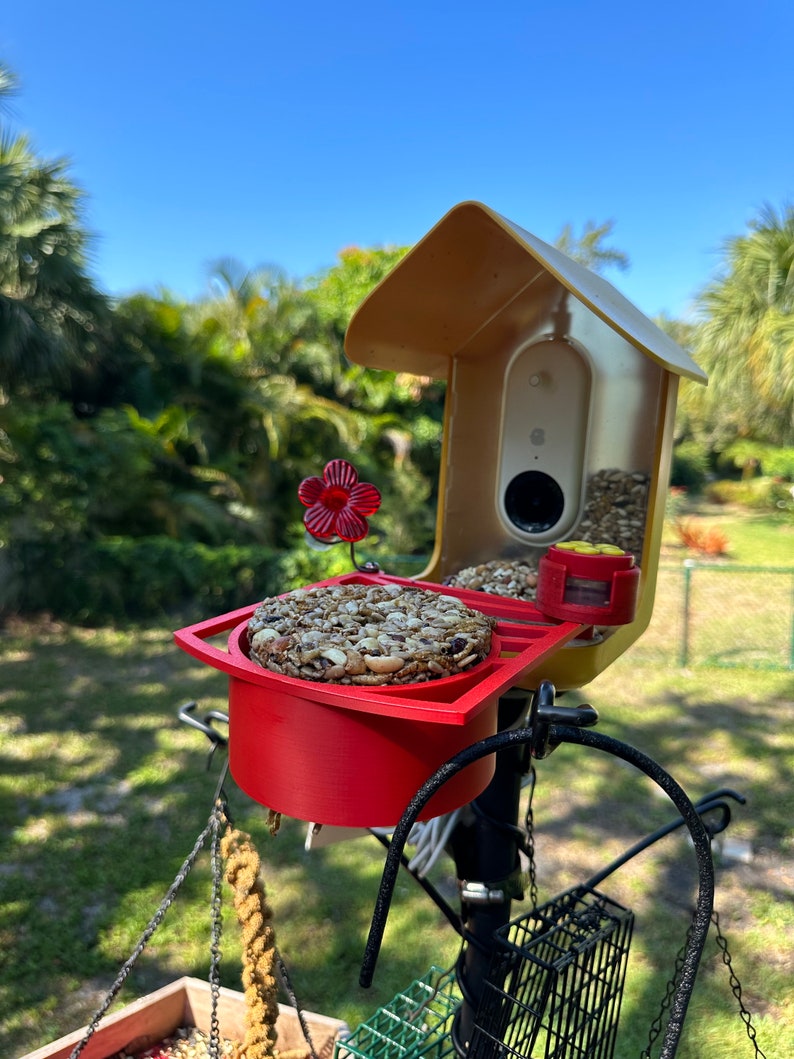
(493, 893)
(544, 713)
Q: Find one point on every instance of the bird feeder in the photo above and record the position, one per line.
(559, 415)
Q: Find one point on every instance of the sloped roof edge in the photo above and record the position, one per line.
(441, 292)
(606, 302)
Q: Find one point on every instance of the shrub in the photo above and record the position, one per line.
(756, 494)
(753, 458)
(133, 578)
(690, 466)
(708, 540)
(677, 498)
(126, 578)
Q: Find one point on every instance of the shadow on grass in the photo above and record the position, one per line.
(104, 792)
(100, 794)
(705, 743)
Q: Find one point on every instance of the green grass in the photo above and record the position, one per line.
(103, 792)
(737, 616)
(754, 539)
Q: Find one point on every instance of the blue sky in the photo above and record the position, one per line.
(279, 134)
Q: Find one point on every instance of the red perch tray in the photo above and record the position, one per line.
(352, 756)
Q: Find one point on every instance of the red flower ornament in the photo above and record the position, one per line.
(338, 503)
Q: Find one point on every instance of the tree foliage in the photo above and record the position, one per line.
(589, 248)
(51, 313)
(745, 340)
(157, 419)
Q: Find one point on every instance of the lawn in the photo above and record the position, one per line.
(103, 792)
(753, 538)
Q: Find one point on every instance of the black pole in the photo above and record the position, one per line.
(561, 734)
(484, 846)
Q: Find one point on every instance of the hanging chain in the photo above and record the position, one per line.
(218, 821)
(529, 846)
(216, 927)
(289, 989)
(672, 985)
(213, 824)
(658, 1023)
(736, 987)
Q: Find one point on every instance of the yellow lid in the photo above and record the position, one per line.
(586, 548)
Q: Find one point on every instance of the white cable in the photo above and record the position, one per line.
(430, 838)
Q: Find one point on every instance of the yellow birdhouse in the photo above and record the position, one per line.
(559, 410)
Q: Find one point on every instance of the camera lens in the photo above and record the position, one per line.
(534, 501)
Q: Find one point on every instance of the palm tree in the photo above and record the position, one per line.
(8, 85)
(262, 393)
(746, 340)
(589, 249)
(50, 310)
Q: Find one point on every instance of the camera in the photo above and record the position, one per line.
(546, 402)
(534, 502)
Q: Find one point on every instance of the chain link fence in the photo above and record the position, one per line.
(707, 614)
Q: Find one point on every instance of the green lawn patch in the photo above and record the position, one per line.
(103, 792)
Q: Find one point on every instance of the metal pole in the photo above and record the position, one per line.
(484, 846)
(683, 658)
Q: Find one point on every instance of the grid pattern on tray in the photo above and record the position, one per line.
(414, 1025)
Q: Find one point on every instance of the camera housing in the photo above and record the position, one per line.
(546, 402)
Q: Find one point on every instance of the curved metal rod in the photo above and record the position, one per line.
(368, 566)
(701, 841)
(707, 804)
(186, 715)
(585, 737)
(400, 835)
(453, 917)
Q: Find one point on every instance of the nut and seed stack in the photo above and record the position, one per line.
(615, 509)
(516, 578)
(368, 634)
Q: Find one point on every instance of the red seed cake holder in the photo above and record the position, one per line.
(354, 756)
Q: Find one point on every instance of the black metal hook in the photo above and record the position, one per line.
(707, 804)
(544, 712)
(186, 715)
(715, 801)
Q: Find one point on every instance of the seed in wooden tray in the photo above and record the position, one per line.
(185, 1043)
